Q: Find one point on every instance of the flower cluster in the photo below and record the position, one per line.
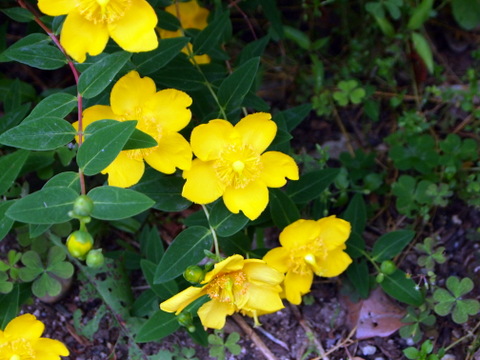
(90, 23)
(22, 340)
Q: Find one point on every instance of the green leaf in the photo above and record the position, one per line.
(151, 244)
(212, 35)
(19, 14)
(165, 190)
(5, 222)
(46, 285)
(151, 61)
(459, 287)
(298, 36)
(10, 166)
(355, 245)
(466, 13)
(164, 290)
(113, 203)
(13, 117)
(420, 14)
(47, 206)
(391, 244)
(282, 209)
(233, 89)
(356, 214)
(421, 46)
(311, 185)
(180, 74)
(253, 49)
(160, 325)
(56, 105)
(47, 133)
(273, 14)
(225, 222)
(402, 288)
(36, 50)
(139, 140)
(68, 179)
(185, 250)
(103, 145)
(99, 75)
(10, 308)
(235, 244)
(357, 273)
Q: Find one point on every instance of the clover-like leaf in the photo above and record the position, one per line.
(46, 285)
(33, 266)
(5, 285)
(459, 287)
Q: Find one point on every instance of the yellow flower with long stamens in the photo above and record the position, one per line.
(248, 286)
(191, 16)
(310, 247)
(231, 163)
(159, 114)
(90, 23)
(22, 340)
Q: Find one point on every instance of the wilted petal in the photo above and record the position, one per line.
(261, 273)
(277, 167)
(232, 263)
(266, 299)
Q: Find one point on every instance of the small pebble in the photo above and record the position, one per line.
(448, 357)
(410, 342)
(369, 350)
(379, 358)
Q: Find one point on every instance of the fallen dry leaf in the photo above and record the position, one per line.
(375, 316)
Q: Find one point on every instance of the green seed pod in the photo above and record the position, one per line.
(79, 243)
(194, 274)
(95, 258)
(388, 267)
(380, 277)
(82, 206)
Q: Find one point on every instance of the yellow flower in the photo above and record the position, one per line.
(310, 247)
(191, 16)
(90, 23)
(234, 285)
(160, 114)
(230, 163)
(21, 340)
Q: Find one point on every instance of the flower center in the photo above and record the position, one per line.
(238, 166)
(305, 258)
(228, 288)
(103, 11)
(18, 349)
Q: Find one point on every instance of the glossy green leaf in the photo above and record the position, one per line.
(233, 89)
(47, 206)
(212, 35)
(160, 325)
(6, 223)
(139, 140)
(273, 14)
(47, 133)
(11, 306)
(402, 288)
(99, 75)
(56, 105)
(391, 244)
(357, 273)
(311, 185)
(235, 244)
(19, 14)
(466, 13)
(355, 245)
(113, 203)
(253, 49)
(185, 250)
(10, 166)
(282, 209)
(180, 74)
(165, 190)
(225, 222)
(422, 47)
(36, 50)
(68, 179)
(103, 146)
(151, 245)
(151, 61)
(13, 117)
(356, 214)
(164, 290)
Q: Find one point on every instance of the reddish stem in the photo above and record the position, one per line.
(75, 75)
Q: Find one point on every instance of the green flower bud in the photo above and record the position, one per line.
(380, 277)
(82, 206)
(388, 267)
(95, 258)
(194, 274)
(185, 319)
(79, 243)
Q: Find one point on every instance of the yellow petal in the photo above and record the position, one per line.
(336, 262)
(25, 326)
(296, 285)
(202, 185)
(251, 200)
(135, 31)
(264, 298)
(80, 36)
(172, 152)
(278, 259)
(169, 108)
(130, 93)
(232, 263)
(124, 171)
(257, 130)
(277, 167)
(178, 302)
(56, 7)
(49, 349)
(208, 140)
(190, 14)
(333, 231)
(260, 273)
(213, 314)
(299, 233)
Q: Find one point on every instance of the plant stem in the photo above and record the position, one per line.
(214, 234)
